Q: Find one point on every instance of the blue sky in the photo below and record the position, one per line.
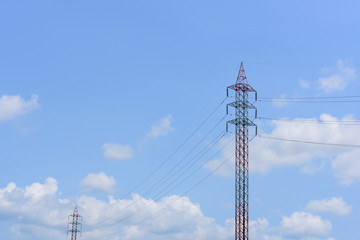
(96, 96)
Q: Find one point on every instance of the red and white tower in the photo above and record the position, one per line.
(74, 225)
(242, 124)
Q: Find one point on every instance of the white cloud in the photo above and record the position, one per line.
(117, 151)
(302, 225)
(347, 166)
(126, 218)
(161, 128)
(339, 77)
(259, 229)
(172, 217)
(32, 231)
(299, 225)
(333, 205)
(98, 183)
(12, 106)
(178, 219)
(37, 191)
(267, 154)
(35, 205)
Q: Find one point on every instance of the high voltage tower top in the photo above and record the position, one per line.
(242, 123)
(74, 224)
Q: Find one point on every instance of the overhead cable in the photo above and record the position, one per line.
(297, 101)
(155, 186)
(179, 162)
(177, 185)
(190, 189)
(314, 121)
(311, 142)
(301, 98)
(174, 152)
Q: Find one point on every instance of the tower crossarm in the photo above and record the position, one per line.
(242, 87)
(241, 104)
(241, 122)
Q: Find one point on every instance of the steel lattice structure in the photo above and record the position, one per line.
(74, 224)
(242, 124)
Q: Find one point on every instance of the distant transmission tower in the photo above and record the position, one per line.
(242, 123)
(74, 225)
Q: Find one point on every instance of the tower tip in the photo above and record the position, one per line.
(241, 78)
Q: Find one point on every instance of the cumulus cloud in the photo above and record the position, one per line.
(12, 106)
(347, 166)
(338, 77)
(335, 205)
(33, 231)
(35, 205)
(117, 151)
(299, 225)
(302, 224)
(172, 217)
(37, 191)
(259, 229)
(98, 183)
(267, 154)
(162, 128)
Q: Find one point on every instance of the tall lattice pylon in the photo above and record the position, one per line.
(242, 124)
(74, 225)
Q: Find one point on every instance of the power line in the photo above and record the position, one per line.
(289, 64)
(296, 101)
(173, 154)
(189, 167)
(297, 98)
(190, 189)
(161, 181)
(311, 142)
(177, 185)
(328, 99)
(182, 170)
(176, 150)
(179, 162)
(314, 121)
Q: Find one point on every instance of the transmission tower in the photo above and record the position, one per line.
(242, 124)
(74, 225)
